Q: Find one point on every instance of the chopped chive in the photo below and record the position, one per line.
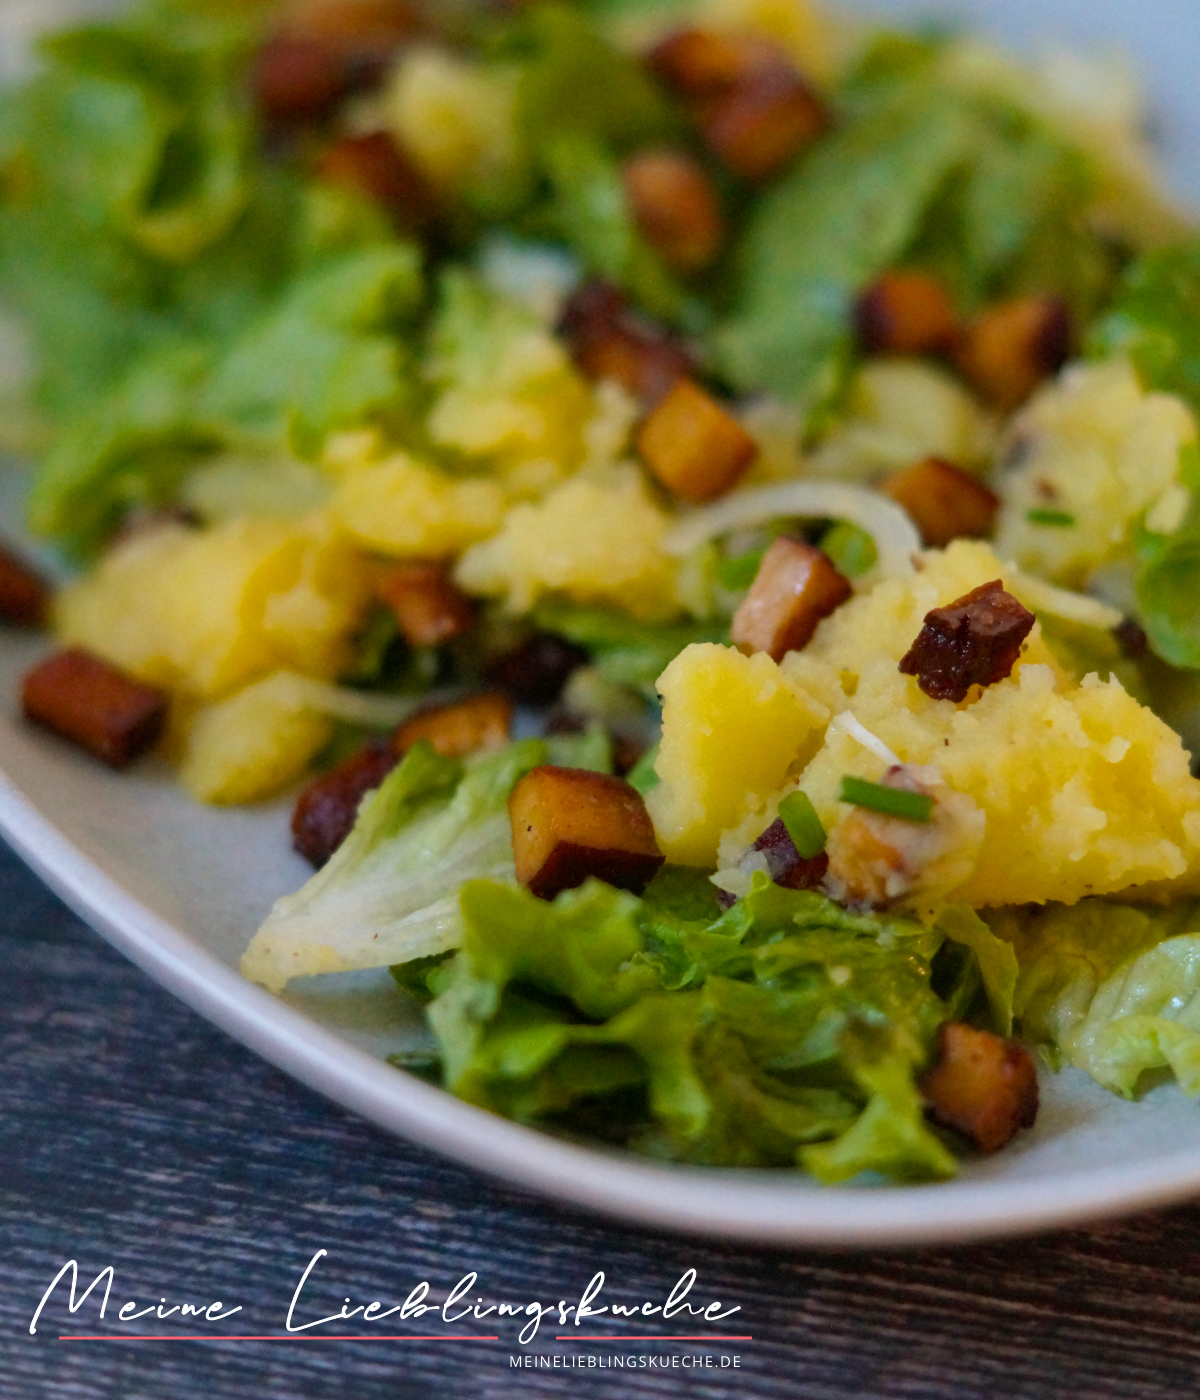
(851, 550)
(803, 825)
(740, 571)
(892, 802)
(1058, 519)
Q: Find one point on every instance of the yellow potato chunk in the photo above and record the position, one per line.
(404, 509)
(249, 746)
(732, 731)
(1084, 791)
(1090, 453)
(596, 538)
(204, 612)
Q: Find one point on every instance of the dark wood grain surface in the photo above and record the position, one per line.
(134, 1134)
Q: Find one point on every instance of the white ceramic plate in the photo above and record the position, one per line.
(180, 889)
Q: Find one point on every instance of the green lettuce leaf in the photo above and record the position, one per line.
(918, 172)
(995, 958)
(389, 893)
(1110, 988)
(740, 1038)
(624, 650)
(1155, 321)
(591, 213)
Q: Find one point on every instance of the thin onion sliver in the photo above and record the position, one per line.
(896, 538)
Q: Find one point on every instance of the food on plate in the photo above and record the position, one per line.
(694, 509)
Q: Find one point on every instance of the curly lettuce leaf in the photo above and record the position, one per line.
(920, 172)
(389, 894)
(741, 1038)
(624, 650)
(1155, 321)
(1112, 989)
(325, 356)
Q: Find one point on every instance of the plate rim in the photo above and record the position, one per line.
(762, 1207)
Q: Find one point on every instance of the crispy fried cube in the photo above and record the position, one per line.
(693, 446)
(608, 342)
(479, 722)
(981, 1086)
(905, 313)
(429, 607)
(327, 806)
(975, 640)
(764, 121)
(373, 165)
(676, 207)
(24, 595)
(86, 700)
(795, 587)
(1009, 348)
(569, 824)
(700, 63)
(324, 50)
(944, 501)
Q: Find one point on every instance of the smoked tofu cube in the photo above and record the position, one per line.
(1009, 348)
(94, 705)
(944, 502)
(981, 1086)
(374, 166)
(608, 342)
(479, 722)
(24, 597)
(905, 313)
(693, 446)
(795, 587)
(676, 207)
(328, 805)
(429, 608)
(570, 824)
(699, 63)
(763, 122)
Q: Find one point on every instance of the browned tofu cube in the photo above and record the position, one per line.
(374, 166)
(763, 122)
(1009, 348)
(569, 824)
(297, 79)
(94, 705)
(795, 587)
(328, 805)
(693, 446)
(324, 50)
(676, 207)
(944, 502)
(701, 63)
(981, 1086)
(24, 595)
(608, 342)
(975, 640)
(479, 722)
(429, 607)
(905, 313)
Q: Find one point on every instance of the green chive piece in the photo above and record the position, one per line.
(740, 571)
(1057, 519)
(798, 814)
(892, 802)
(851, 550)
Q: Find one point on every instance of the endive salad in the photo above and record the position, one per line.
(694, 503)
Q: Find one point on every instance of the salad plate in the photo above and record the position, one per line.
(179, 888)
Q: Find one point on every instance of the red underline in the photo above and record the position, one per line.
(333, 1337)
(641, 1337)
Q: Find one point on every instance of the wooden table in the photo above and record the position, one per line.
(132, 1133)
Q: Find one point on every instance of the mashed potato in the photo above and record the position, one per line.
(1083, 790)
